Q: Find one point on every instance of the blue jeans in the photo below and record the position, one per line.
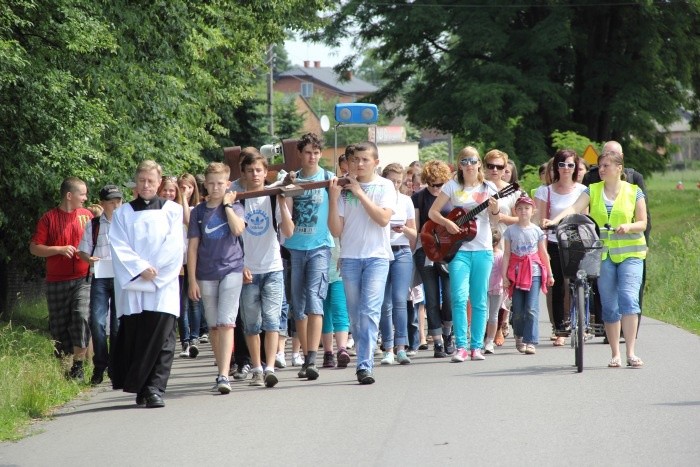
(619, 286)
(101, 303)
(436, 287)
(469, 273)
(309, 281)
(190, 318)
(394, 320)
(261, 303)
(526, 305)
(364, 281)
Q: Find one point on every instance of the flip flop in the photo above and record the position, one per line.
(634, 362)
(615, 363)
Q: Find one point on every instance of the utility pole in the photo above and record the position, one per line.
(271, 62)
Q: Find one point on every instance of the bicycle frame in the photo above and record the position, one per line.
(579, 314)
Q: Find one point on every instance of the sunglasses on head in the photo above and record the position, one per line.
(495, 166)
(436, 185)
(566, 165)
(470, 161)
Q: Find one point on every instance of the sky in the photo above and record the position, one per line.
(299, 51)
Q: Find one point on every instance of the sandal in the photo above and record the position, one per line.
(634, 362)
(559, 342)
(615, 362)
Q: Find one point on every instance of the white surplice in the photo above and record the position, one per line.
(140, 239)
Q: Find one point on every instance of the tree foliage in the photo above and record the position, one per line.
(91, 87)
(508, 75)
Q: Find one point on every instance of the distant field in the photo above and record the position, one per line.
(672, 291)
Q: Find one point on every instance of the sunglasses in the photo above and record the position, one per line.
(495, 166)
(566, 165)
(436, 185)
(466, 162)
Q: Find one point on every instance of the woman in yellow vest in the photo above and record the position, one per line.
(619, 209)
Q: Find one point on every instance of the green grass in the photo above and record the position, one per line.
(672, 292)
(32, 384)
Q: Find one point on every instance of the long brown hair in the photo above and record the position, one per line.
(466, 153)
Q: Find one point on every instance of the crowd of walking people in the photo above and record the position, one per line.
(345, 261)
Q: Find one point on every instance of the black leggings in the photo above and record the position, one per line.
(558, 290)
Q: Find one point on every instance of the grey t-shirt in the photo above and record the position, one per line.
(523, 242)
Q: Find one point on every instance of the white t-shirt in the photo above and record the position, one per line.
(506, 206)
(467, 199)
(362, 237)
(404, 211)
(260, 243)
(557, 203)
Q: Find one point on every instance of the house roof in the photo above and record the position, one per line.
(328, 77)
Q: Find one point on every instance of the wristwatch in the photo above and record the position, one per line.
(228, 205)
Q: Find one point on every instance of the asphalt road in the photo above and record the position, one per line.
(511, 409)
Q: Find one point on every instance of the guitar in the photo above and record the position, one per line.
(441, 246)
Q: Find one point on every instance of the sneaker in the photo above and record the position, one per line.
(519, 345)
(343, 358)
(530, 349)
(302, 371)
(488, 348)
(476, 355)
(402, 357)
(460, 355)
(411, 353)
(328, 360)
(223, 385)
(365, 377)
(388, 358)
(351, 343)
(204, 338)
(257, 379)
(76, 372)
(194, 349)
(279, 361)
(242, 373)
(270, 379)
(311, 371)
(297, 359)
(185, 350)
(439, 350)
(97, 376)
(449, 344)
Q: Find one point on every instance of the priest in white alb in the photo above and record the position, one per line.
(147, 252)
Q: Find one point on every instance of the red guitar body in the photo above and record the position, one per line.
(440, 245)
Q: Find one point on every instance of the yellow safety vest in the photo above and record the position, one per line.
(618, 246)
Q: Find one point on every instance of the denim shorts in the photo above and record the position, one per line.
(261, 303)
(619, 285)
(309, 281)
(220, 300)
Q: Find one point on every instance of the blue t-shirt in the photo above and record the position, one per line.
(220, 252)
(310, 216)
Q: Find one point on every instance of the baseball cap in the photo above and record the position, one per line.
(525, 199)
(110, 192)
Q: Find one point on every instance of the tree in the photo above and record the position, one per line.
(436, 151)
(91, 87)
(507, 76)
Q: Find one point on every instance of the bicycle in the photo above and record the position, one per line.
(580, 253)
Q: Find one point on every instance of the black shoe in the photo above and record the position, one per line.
(423, 347)
(154, 401)
(302, 371)
(76, 372)
(97, 376)
(439, 350)
(365, 377)
(140, 401)
(449, 346)
(194, 348)
(311, 371)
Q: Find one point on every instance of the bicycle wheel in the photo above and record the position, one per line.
(580, 318)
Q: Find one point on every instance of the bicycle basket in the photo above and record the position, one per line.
(580, 246)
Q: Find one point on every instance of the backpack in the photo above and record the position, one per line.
(580, 246)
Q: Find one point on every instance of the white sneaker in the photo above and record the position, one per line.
(388, 358)
(297, 359)
(185, 351)
(279, 361)
(351, 343)
(223, 385)
(488, 348)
